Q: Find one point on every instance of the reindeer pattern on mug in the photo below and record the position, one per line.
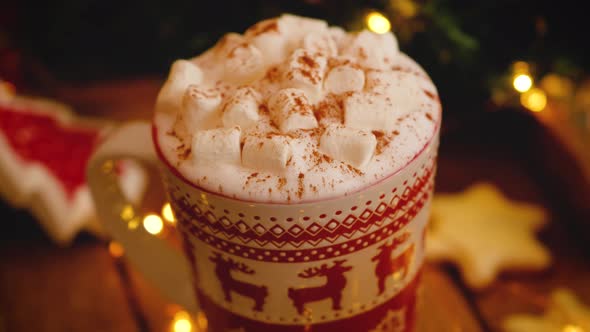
(363, 258)
(397, 267)
(332, 289)
(316, 287)
(229, 284)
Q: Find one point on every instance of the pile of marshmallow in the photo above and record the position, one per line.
(220, 98)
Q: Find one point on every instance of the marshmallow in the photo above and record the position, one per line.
(352, 146)
(243, 64)
(320, 43)
(182, 74)
(389, 44)
(295, 28)
(305, 71)
(370, 111)
(200, 108)
(269, 153)
(290, 110)
(338, 35)
(276, 38)
(262, 27)
(268, 37)
(241, 109)
(302, 25)
(373, 50)
(271, 47)
(216, 146)
(228, 42)
(380, 81)
(405, 89)
(403, 61)
(341, 60)
(329, 111)
(388, 82)
(344, 79)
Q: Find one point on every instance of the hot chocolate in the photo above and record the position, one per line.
(293, 111)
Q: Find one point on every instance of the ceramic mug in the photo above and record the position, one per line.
(348, 264)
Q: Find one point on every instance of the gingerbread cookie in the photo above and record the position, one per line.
(484, 233)
(565, 313)
(44, 149)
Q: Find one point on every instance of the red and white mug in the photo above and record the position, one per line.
(349, 264)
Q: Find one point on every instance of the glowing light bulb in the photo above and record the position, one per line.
(557, 86)
(182, 325)
(202, 322)
(534, 100)
(127, 213)
(168, 214)
(153, 224)
(7, 90)
(572, 328)
(108, 166)
(522, 82)
(133, 223)
(406, 8)
(182, 322)
(377, 22)
(115, 249)
(520, 67)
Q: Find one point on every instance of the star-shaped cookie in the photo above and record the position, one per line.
(483, 232)
(565, 313)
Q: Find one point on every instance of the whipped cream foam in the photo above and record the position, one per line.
(294, 110)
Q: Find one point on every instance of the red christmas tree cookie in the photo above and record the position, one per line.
(44, 150)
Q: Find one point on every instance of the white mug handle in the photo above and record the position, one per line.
(163, 265)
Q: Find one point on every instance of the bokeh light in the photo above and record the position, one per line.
(168, 214)
(406, 8)
(202, 322)
(108, 166)
(534, 100)
(521, 67)
(182, 322)
(153, 224)
(557, 86)
(127, 212)
(7, 90)
(572, 328)
(133, 223)
(522, 82)
(377, 22)
(115, 249)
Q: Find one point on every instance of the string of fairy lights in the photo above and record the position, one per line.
(152, 223)
(531, 97)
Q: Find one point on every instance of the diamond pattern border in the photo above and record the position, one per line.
(308, 255)
(190, 216)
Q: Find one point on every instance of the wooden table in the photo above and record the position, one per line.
(83, 288)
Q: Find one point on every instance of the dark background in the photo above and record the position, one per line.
(466, 46)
